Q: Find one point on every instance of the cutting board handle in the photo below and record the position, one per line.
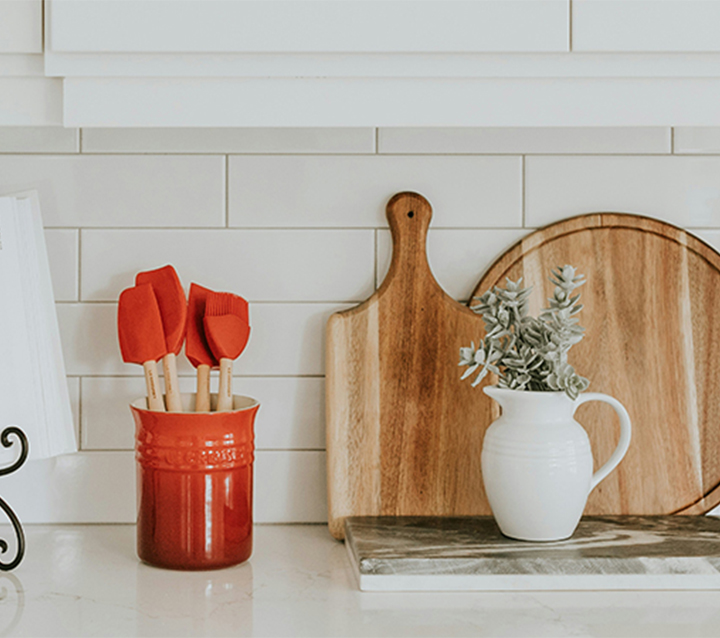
(409, 216)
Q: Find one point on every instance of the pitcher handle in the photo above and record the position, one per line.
(625, 433)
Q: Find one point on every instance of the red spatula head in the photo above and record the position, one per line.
(140, 327)
(197, 349)
(171, 300)
(227, 328)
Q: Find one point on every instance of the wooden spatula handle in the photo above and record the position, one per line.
(172, 392)
(225, 400)
(202, 398)
(152, 383)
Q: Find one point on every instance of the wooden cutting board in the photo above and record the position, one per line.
(652, 319)
(403, 436)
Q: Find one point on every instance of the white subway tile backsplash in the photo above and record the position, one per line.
(228, 140)
(38, 139)
(99, 487)
(286, 339)
(62, 248)
(458, 258)
(310, 238)
(353, 191)
(121, 191)
(700, 140)
(291, 416)
(524, 140)
(260, 265)
(681, 190)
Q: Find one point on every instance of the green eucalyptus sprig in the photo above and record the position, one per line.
(529, 353)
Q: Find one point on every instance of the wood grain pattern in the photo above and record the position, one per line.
(652, 303)
(403, 436)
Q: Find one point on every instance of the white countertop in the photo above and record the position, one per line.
(85, 580)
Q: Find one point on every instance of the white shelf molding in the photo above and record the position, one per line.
(148, 102)
(355, 26)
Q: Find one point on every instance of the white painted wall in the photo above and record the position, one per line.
(293, 220)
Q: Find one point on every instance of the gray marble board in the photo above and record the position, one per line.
(470, 554)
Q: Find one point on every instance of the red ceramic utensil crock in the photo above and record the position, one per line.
(195, 478)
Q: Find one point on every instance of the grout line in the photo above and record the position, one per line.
(570, 25)
(79, 415)
(672, 140)
(80, 140)
(263, 302)
(266, 228)
(523, 191)
(377, 140)
(184, 375)
(375, 261)
(79, 265)
(212, 228)
(227, 191)
(257, 449)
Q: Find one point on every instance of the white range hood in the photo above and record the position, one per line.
(224, 63)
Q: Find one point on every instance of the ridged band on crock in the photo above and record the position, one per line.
(194, 455)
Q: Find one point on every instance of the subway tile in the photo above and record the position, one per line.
(290, 487)
(327, 191)
(228, 140)
(136, 191)
(698, 139)
(681, 190)
(711, 237)
(62, 248)
(38, 139)
(286, 339)
(645, 25)
(528, 140)
(458, 258)
(21, 26)
(99, 487)
(86, 487)
(260, 265)
(291, 416)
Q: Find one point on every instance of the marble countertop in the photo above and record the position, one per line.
(85, 580)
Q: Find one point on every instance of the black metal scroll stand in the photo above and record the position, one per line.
(17, 526)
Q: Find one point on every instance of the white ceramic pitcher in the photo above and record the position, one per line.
(537, 464)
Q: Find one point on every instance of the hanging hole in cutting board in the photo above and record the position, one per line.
(411, 214)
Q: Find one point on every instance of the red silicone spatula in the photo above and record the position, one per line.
(197, 349)
(173, 310)
(227, 329)
(142, 339)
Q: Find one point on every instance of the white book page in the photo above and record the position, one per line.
(18, 404)
(33, 386)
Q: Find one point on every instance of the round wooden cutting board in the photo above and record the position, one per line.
(652, 340)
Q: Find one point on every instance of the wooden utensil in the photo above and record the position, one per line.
(197, 349)
(142, 340)
(402, 431)
(173, 310)
(652, 341)
(227, 329)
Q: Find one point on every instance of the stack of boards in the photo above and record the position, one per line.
(33, 387)
(404, 434)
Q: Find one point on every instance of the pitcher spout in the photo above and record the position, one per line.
(533, 406)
